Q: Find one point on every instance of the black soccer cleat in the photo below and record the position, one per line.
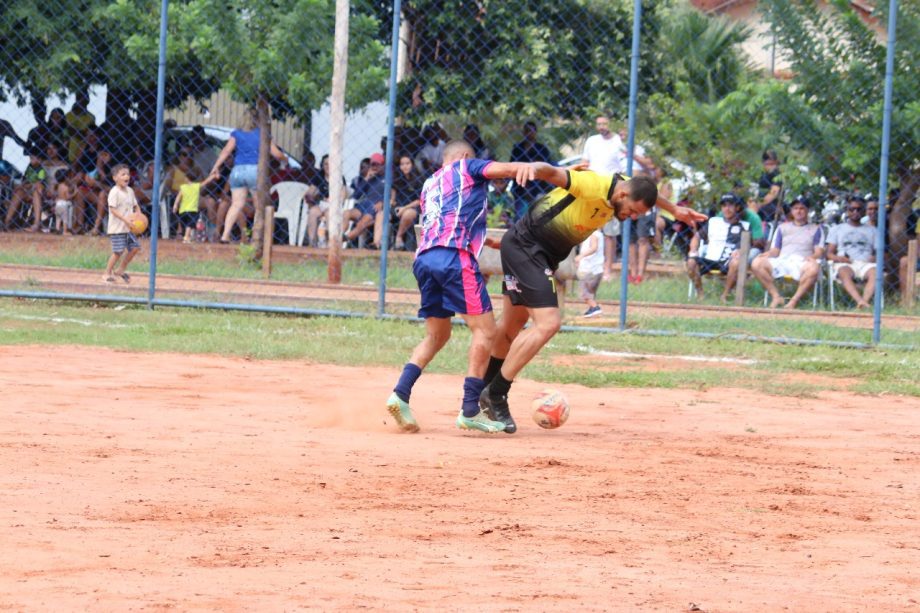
(496, 408)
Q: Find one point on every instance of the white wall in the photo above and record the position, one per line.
(363, 130)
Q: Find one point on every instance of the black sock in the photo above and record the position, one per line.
(494, 367)
(499, 387)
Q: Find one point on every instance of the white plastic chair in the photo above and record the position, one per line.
(291, 207)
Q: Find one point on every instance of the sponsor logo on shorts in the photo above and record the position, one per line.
(511, 283)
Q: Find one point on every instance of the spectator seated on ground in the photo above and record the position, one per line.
(715, 246)
(851, 252)
(32, 189)
(368, 210)
(797, 249)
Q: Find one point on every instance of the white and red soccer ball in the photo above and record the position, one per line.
(550, 409)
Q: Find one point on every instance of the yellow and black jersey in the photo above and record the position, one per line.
(565, 217)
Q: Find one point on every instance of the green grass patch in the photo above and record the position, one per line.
(388, 343)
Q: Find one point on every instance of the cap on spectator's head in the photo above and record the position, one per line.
(872, 198)
(377, 158)
(729, 198)
(801, 199)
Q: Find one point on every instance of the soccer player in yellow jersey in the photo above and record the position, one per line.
(531, 252)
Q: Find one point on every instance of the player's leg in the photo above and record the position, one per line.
(472, 417)
(437, 333)
(546, 322)
(513, 319)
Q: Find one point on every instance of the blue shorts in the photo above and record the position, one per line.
(366, 207)
(244, 175)
(450, 282)
(124, 242)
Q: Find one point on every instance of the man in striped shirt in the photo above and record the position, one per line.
(453, 219)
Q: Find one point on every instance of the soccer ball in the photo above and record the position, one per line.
(550, 409)
(138, 223)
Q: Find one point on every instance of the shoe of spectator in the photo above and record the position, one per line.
(479, 422)
(638, 279)
(401, 413)
(594, 311)
(497, 409)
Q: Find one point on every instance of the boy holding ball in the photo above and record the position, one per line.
(122, 205)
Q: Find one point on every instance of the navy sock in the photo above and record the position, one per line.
(499, 387)
(472, 388)
(407, 379)
(494, 367)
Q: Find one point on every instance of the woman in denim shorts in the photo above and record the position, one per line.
(244, 145)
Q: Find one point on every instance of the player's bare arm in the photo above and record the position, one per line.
(521, 172)
(681, 213)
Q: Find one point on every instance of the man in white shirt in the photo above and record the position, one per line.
(604, 154)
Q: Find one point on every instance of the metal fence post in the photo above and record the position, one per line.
(883, 175)
(388, 174)
(631, 137)
(157, 156)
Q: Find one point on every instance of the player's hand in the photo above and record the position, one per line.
(494, 243)
(525, 173)
(582, 165)
(689, 216)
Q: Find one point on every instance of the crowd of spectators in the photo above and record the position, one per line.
(791, 242)
(65, 186)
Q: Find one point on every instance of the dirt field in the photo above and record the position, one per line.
(154, 481)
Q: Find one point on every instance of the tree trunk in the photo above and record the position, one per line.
(337, 119)
(900, 210)
(260, 198)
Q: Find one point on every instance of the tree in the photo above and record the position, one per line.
(838, 64)
(277, 55)
(519, 59)
(704, 53)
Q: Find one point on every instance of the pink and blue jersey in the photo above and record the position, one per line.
(453, 204)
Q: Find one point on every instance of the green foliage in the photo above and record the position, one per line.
(703, 53)
(282, 50)
(520, 59)
(835, 104)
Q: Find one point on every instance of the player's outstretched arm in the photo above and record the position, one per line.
(681, 213)
(521, 172)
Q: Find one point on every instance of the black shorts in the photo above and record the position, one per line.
(188, 219)
(707, 266)
(528, 272)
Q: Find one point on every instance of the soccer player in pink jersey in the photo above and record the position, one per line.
(453, 220)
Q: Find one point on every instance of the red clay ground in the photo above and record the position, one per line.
(156, 481)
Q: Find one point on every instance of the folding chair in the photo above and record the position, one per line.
(291, 208)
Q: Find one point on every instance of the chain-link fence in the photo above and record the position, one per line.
(768, 116)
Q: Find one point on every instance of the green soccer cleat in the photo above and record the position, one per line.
(401, 413)
(479, 422)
